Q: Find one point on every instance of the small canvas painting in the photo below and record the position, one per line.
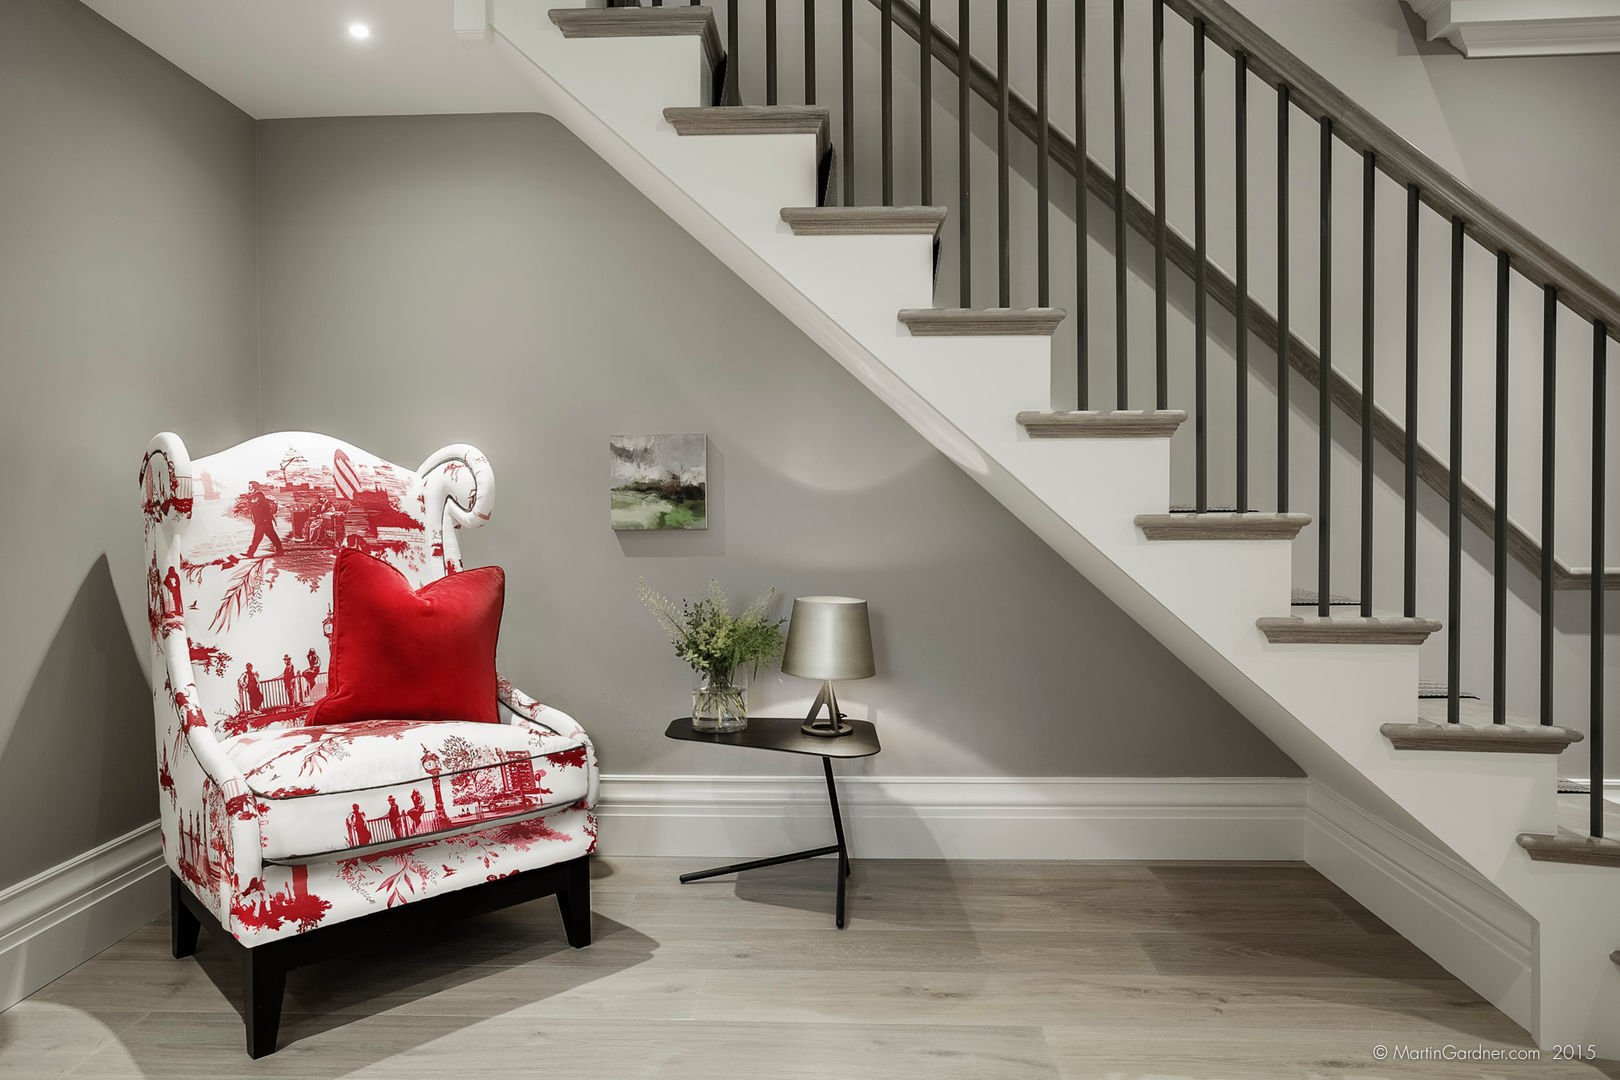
(660, 481)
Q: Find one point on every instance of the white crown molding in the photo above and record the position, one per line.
(57, 919)
(1494, 28)
(470, 18)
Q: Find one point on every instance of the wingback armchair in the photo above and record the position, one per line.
(295, 841)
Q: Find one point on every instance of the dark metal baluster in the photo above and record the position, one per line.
(809, 52)
(848, 164)
(1161, 285)
(1549, 444)
(964, 175)
(1121, 333)
(1082, 252)
(1200, 278)
(1454, 495)
(1369, 210)
(925, 76)
(1043, 150)
(733, 58)
(1003, 158)
(1409, 591)
(770, 52)
(1324, 396)
(1499, 568)
(1283, 116)
(886, 94)
(1594, 736)
(1242, 388)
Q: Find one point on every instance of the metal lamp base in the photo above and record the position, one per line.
(833, 726)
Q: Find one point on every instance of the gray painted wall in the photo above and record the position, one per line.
(126, 306)
(489, 279)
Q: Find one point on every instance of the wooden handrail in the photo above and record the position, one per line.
(1404, 163)
(1181, 253)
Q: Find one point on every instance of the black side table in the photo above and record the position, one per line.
(783, 734)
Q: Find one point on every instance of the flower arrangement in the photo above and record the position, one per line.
(710, 638)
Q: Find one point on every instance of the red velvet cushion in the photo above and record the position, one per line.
(399, 654)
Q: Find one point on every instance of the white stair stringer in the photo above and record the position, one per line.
(1322, 704)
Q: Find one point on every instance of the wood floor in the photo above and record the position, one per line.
(948, 970)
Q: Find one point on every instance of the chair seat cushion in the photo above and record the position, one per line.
(378, 785)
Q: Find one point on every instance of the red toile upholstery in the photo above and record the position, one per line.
(279, 828)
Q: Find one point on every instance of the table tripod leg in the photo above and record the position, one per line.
(838, 828)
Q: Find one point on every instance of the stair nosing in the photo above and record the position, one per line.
(642, 22)
(753, 120)
(1346, 630)
(1496, 739)
(1569, 847)
(1089, 424)
(864, 220)
(982, 322)
(1221, 525)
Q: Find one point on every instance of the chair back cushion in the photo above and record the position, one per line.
(253, 580)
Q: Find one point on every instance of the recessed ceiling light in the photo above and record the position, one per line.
(359, 31)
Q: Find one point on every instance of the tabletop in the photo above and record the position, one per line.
(782, 733)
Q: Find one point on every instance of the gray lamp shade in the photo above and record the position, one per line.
(829, 637)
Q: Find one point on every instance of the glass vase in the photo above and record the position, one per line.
(720, 702)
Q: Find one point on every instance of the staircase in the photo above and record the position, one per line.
(1338, 693)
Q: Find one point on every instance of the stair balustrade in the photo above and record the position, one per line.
(1259, 63)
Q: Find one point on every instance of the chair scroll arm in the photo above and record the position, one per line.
(460, 495)
(531, 711)
(246, 842)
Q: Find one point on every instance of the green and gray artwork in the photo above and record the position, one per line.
(659, 481)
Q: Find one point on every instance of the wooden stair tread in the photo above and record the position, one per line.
(642, 22)
(1345, 630)
(864, 220)
(1299, 596)
(1222, 526)
(1119, 424)
(1480, 738)
(982, 322)
(752, 120)
(1567, 846)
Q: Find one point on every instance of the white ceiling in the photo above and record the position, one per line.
(275, 58)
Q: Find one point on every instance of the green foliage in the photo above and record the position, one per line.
(710, 638)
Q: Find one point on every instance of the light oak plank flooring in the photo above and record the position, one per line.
(948, 970)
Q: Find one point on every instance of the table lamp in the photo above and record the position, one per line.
(829, 637)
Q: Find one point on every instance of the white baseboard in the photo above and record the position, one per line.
(56, 920)
(957, 817)
(1431, 898)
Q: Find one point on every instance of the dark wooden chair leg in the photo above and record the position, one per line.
(575, 902)
(183, 925)
(263, 980)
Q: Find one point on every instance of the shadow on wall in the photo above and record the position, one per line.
(78, 763)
